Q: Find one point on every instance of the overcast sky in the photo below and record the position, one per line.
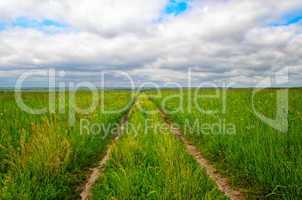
(236, 41)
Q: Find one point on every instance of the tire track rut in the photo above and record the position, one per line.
(221, 181)
(97, 172)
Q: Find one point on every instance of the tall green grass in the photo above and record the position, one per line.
(150, 163)
(257, 156)
(42, 156)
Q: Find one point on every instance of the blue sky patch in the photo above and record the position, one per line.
(3, 25)
(177, 7)
(24, 22)
(289, 19)
(29, 23)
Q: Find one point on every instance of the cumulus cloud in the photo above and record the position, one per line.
(217, 41)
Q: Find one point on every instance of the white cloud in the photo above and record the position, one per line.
(219, 40)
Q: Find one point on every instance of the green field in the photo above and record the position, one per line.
(152, 164)
(43, 156)
(47, 156)
(257, 156)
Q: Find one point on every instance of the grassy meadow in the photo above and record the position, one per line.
(265, 161)
(152, 164)
(47, 156)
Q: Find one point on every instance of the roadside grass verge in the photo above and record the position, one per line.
(148, 162)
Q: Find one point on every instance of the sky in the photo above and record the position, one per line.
(238, 42)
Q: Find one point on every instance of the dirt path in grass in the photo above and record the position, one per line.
(221, 181)
(97, 171)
